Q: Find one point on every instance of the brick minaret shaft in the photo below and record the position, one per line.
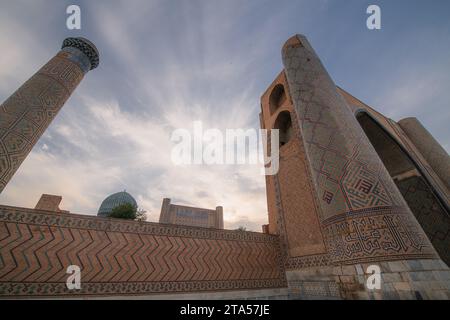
(27, 113)
(362, 214)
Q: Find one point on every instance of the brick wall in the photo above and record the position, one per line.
(127, 257)
(293, 212)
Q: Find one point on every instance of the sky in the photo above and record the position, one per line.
(165, 64)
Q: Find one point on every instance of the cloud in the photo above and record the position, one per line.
(77, 182)
(165, 64)
(107, 149)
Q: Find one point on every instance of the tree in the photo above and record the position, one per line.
(140, 215)
(124, 211)
(241, 228)
(129, 212)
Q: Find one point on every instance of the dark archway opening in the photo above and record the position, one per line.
(284, 124)
(277, 98)
(417, 192)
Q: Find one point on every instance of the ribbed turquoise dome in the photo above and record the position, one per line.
(113, 201)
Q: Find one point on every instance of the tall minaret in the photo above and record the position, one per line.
(362, 213)
(26, 114)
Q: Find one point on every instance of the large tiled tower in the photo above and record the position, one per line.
(335, 201)
(26, 114)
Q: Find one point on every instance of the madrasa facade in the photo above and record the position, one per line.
(355, 191)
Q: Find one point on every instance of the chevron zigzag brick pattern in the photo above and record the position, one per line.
(128, 257)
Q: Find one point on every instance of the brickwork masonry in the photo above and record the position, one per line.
(400, 280)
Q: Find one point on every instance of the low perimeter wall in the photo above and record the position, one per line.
(120, 258)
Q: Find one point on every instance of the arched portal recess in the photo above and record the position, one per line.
(416, 190)
(277, 98)
(284, 124)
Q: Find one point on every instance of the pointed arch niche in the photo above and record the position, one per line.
(416, 190)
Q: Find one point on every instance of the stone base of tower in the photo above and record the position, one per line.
(401, 279)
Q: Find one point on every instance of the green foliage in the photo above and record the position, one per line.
(129, 212)
(124, 211)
